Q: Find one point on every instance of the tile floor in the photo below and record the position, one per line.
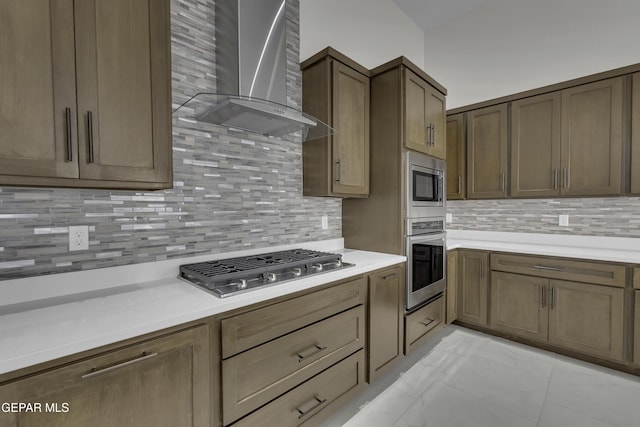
(466, 378)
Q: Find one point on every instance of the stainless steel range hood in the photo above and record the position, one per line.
(251, 74)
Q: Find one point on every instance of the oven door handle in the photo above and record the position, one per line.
(437, 239)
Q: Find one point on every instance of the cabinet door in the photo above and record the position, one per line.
(385, 319)
(519, 305)
(351, 121)
(636, 330)
(452, 286)
(37, 86)
(163, 382)
(487, 153)
(535, 146)
(635, 135)
(123, 65)
(424, 117)
(587, 318)
(473, 287)
(591, 154)
(456, 173)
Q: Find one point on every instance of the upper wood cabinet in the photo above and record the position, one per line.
(161, 382)
(487, 152)
(336, 90)
(425, 117)
(535, 146)
(87, 90)
(592, 132)
(456, 172)
(635, 135)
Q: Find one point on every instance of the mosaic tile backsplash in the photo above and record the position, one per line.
(232, 190)
(614, 217)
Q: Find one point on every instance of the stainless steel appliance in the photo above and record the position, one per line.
(425, 185)
(231, 276)
(426, 256)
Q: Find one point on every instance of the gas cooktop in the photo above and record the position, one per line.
(231, 276)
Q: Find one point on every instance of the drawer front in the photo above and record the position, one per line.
(300, 405)
(636, 278)
(248, 330)
(257, 376)
(422, 321)
(555, 268)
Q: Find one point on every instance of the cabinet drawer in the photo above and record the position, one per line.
(578, 271)
(257, 376)
(300, 405)
(422, 321)
(636, 278)
(247, 330)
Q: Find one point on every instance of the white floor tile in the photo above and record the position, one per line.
(384, 410)
(445, 406)
(554, 415)
(518, 356)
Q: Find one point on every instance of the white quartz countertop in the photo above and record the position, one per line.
(619, 249)
(77, 318)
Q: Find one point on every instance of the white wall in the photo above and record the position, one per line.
(371, 32)
(508, 46)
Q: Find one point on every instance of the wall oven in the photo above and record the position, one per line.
(426, 255)
(425, 185)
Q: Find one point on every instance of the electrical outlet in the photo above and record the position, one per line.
(79, 238)
(563, 220)
(449, 218)
(325, 222)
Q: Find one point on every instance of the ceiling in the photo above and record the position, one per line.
(430, 13)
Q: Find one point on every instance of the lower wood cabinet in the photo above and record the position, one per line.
(452, 286)
(473, 286)
(161, 382)
(578, 316)
(386, 327)
(636, 329)
(635, 135)
(422, 323)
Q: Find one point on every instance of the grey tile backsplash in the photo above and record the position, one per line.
(232, 190)
(615, 216)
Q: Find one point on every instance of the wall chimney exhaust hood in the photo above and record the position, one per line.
(251, 74)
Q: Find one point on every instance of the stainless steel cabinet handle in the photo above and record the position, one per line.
(459, 185)
(338, 170)
(389, 276)
(553, 298)
(433, 134)
(90, 134)
(427, 321)
(544, 267)
(542, 296)
(67, 116)
(554, 177)
(502, 176)
(317, 349)
(310, 410)
(95, 371)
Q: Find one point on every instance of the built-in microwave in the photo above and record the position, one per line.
(425, 185)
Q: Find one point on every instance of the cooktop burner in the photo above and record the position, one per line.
(234, 275)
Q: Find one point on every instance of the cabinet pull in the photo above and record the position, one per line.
(433, 134)
(459, 184)
(502, 174)
(389, 276)
(95, 371)
(90, 134)
(314, 407)
(541, 296)
(544, 267)
(67, 116)
(338, 170)
(554, 177)
(553, 298)
(427, 322)
(317, 349)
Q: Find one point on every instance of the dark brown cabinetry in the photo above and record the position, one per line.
(456, 156)
(487, 152)
(385, 331)
(535, 146)
(423, 323)
(88, 85)
(452, 286)
(635, 135)
(592, 128)
(161, 382)
(473, 286)
(336, 90)
(425, 127)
